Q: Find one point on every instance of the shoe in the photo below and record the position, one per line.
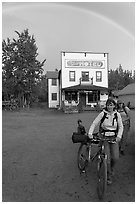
(109, 181)
(122, 152)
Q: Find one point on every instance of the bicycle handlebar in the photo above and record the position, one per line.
(97, 137)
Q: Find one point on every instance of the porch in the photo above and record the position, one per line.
(82, 98)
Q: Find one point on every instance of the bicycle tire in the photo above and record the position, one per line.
(102, 177)
(82, 158)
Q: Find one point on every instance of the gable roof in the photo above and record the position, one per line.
(128, 90)
(52, 74)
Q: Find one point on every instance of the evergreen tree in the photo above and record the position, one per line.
(118, 79)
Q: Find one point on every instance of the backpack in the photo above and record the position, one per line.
(101, 130)
(124, 109)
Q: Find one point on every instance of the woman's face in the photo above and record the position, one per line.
(110, 107)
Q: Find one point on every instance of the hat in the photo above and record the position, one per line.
(79, 121)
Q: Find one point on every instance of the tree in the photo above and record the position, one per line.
(20, 68)
(41, 89)
(118, 79)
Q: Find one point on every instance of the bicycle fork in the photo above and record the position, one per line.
(102, 154)
(89, 152)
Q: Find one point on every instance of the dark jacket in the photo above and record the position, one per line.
(81, 129)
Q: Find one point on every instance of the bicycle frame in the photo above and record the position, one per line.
(98, 153)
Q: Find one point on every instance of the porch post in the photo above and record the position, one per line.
(86, 98)
(78, 96)
(63, 95)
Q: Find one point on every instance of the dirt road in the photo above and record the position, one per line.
(39, 160)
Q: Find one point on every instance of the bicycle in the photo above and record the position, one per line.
(84, 157)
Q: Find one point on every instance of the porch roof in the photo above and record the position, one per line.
(85, 88)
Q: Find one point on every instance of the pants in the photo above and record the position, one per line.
(123, 141)
(112, 151)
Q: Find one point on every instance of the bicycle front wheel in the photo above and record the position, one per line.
(82, 158)
(102, 177)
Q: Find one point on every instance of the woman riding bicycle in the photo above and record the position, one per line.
(110, 125)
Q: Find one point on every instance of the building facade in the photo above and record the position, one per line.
(82, 80)
(53, 89)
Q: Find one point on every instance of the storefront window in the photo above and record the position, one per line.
(93, 96)
(74, 96)
(71, 96)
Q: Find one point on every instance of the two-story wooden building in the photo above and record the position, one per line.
(53, 88)
(82, 80)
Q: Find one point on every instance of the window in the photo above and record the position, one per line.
(69, 96)
(54, 97)
(98, 76)
(93, 97)
(74, 96)
(85, 76)
(72, 76)
(54, 82)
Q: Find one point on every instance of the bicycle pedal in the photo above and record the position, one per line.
(83, 172)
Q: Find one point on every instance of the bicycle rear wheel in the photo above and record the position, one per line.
(82, 158)
(102, 177)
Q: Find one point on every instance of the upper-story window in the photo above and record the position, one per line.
(72, 76)
(54, 82)
(98, 76)
(85, 76)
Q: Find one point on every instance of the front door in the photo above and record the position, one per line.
(82, 98)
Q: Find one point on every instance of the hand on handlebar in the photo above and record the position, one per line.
(90, 136)
(118, 139)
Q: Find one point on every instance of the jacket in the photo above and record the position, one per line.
(109, 124)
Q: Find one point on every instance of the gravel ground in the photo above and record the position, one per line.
(39, 160)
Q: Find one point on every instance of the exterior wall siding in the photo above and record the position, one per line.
(89, 57)
(53, 89)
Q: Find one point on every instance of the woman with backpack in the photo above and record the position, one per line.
(110, 125)
(124, 112)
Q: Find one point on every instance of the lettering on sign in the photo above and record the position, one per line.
(85, 63)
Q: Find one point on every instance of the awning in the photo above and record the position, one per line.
(86, 88)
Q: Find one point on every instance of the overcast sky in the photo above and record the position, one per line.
(93, 26)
